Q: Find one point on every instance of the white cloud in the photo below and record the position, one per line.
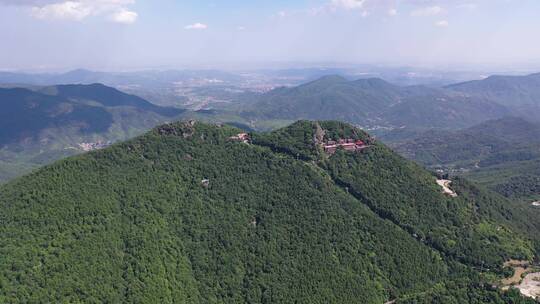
(27, 2)
(427, 11)
(442, 23)
(196, 26)
(348, 4)
(68, 10)
(124, 16)
(241, 28)
(115, 10)
(392, 12)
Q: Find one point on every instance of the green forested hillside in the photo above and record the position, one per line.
(108, 97)
(507, 90)
(502, 154)
(45, 124)
(521, 94)
(26, 113)
(372, 102)
(185, 215)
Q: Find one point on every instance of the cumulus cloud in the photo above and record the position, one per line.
(124, 16)
(348, 4)
(68, 10)
(115, 10)
(27, 2)
(427, 11)
(196, 26)
(442, 23)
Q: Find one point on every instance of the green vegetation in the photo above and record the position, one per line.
(503, 155)
(371, 102)
(277, 222)
(45, 124)
(518, 93)
(518, 180)
(507, 90)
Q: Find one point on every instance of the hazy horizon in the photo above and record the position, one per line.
(116, 35)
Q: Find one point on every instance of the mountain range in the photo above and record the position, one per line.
(41, 124)
(506, 90)
(189, 213)
(521, 94)
(64, 116)
(375, 103)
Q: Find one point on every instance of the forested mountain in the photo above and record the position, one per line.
(521, 94)
(46, 123)
(26, 113)
(506, 90)
(503, 154)
(108, 97)
(187, 214)
(374, 102)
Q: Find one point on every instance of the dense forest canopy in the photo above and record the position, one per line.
(185, 214)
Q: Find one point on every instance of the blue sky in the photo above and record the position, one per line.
(135, 34)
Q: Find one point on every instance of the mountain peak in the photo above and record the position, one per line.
(328, 79)
(374, 83)
(188, 196)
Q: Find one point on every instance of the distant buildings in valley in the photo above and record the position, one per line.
(87, 147)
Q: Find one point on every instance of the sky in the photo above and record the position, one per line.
(162, 34)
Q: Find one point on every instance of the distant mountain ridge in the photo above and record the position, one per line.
(107, 96)
(372, 102)
(506, 90)
(42, 124)
(27, 113)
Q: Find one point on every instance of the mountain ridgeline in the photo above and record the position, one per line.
(374, 102)
(26, 113)
(506, 90)
(188, 214)
(42, 124)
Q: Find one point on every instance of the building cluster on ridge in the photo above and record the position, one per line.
(352, 145)
(242, 137)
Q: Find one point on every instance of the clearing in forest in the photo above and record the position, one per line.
(529, 286)
(520, 267)
(445, 184)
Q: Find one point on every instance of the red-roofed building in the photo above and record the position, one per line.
(350, 145)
